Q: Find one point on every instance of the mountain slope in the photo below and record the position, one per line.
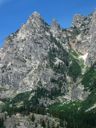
(50, 70)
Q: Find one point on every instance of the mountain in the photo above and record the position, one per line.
(48, 75)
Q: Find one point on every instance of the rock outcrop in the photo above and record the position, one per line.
(41, 65)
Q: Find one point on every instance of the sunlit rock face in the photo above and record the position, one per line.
(38, 55)
(92, 48)
(81, 27)
(84, 41)
(47, 71)
(26, 59)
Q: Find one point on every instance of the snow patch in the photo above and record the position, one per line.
(79, 38)
(84, 57)
(58, 61)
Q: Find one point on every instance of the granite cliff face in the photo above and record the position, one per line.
(43, 64)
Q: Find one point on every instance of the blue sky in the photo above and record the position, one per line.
(13, 13)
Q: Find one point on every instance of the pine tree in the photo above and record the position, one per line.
(33, 118)
(43, 124)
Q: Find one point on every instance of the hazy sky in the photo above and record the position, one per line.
(13, 13)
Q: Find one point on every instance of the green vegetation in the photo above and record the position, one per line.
(57, 51)
(76, 65)
(74, 70)
(90, 101)
(43, 124)
(32, 117)
(89, 82)
(89, 79)
(2, 123)
(77, 113)
(29, 101)
(73, 115)
(74, 53)
(74, 56)
(24, 103)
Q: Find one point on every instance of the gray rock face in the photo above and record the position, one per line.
(25, 61)
(84, 41)
(78, 20)
(92, 48)
(29, 121)
(39, 53)
(55, 29)
(25, 53)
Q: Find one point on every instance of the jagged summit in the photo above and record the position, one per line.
(55, 24)
(36, 50)
(36, 14)
(35, 19)
(55, 28)
(78, 20)
(30, 48)
(42, 66)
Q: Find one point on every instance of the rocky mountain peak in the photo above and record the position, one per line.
(92, 39)
(36, 14)
(35, 25)
(55, 28)
(35, 20)
(55, 24)
(42, 66)
(93, 23)
(78, 20)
